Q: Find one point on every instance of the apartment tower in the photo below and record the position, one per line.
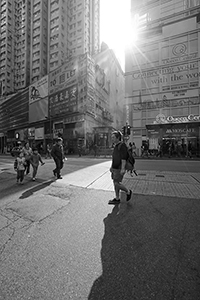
(37, 36)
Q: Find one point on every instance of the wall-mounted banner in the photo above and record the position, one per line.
(38, 100)
(67, 74)
(39, 133)
(38, 90)
(64, 101)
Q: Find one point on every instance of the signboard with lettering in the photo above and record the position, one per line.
(168, 77)
(162, 119)
(64, 101)
(67, 74)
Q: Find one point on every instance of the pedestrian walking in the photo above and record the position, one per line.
(95, 147)
(58, 155)
(48, 152)
(134, 149)
(158, 150)
(130, 147)
(117, 169)
(79, 150)
(190, 149)
(19, 166)
(35, 159)
(27, 151)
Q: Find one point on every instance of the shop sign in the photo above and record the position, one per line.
(162, 119)
(39, 133)
(179, 130)
(57, 132)
(64, 101)
(31, 133)
(73, 119)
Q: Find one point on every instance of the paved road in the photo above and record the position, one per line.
(60, 239)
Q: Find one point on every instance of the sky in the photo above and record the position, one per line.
(114, 18)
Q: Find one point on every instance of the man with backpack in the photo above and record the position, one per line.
(119, 160)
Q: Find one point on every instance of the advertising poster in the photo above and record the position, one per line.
(38, 100)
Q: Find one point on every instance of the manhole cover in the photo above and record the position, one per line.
(160, 176)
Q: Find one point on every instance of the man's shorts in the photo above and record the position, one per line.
(116, 175)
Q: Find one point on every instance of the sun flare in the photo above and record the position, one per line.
(117, 29)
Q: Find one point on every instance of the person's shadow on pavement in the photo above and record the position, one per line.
(116, 256)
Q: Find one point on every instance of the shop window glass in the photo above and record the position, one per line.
(177, 111)
(152, 55)
(152, 113)
(144, 114)
(194, 35)
(136, 123)
(136, 132)
(148, 121)
(194, 110)
(193, 46)
(165, 52)
(144, 132)
(166, 112)
(185, 111)
(136, 115)
(144, 122)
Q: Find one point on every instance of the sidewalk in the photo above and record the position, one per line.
(170, 184)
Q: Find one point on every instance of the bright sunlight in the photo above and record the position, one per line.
(115, 28)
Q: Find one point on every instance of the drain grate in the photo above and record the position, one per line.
(160, 175)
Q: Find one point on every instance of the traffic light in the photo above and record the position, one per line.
(124, 130)
(128, 129)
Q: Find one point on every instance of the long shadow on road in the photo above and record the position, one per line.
(150, 251)
(31, 191)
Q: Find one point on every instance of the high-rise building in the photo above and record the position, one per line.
(37, 36)
(14, 45)
(162, 76)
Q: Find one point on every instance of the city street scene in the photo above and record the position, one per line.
(100, 150)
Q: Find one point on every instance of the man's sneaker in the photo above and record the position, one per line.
(114, 201)
(59, 177)
(128, 197)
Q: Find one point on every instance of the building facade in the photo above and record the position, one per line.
(106, 60)
(162, 76)
(73, 101)
(58, 30)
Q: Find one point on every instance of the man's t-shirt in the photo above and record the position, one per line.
(119, 153)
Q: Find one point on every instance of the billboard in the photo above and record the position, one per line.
(38, 100)
(64, 101)
(67, 74)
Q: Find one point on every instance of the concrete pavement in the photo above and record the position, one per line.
(60, 240)
(171, 184)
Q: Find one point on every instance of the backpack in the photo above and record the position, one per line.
(130, 160)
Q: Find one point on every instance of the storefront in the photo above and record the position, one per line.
(175, 135)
